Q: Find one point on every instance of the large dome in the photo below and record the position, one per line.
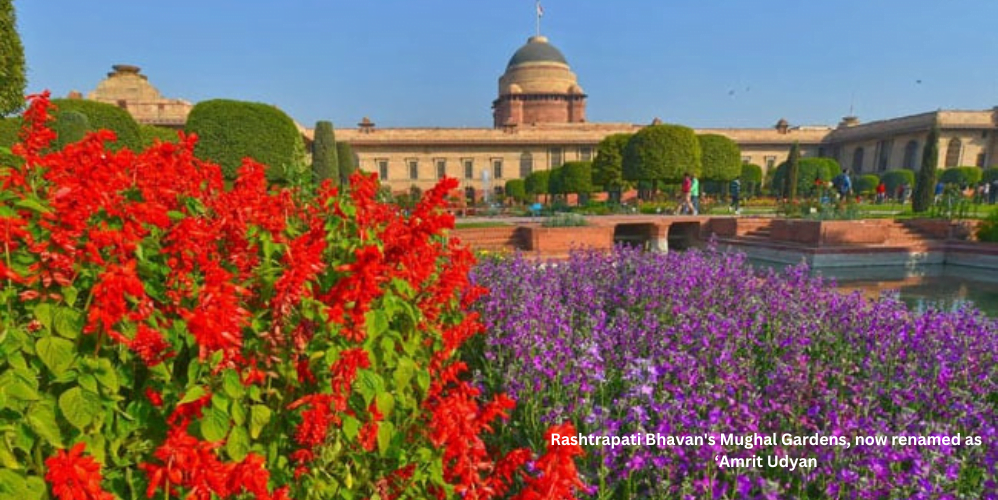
(537, 50)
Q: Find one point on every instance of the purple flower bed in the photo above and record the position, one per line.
(699, 344)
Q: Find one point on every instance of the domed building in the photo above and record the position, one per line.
(538, 87)
(127, 88)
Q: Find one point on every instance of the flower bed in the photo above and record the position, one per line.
(165, 337)
(697, 344)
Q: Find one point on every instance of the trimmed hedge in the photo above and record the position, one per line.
(962, 176)
(325, 163)
(229, 131)
(103, 116)
(720, 157)
(69, 127)
(751, 179)
(865, 184)
(346, 160)
(516, 189)
(13, 82)
(608, 166)
(538, 183)
(10, 128)
(895, 178)
(989, 174)
(150, 133)
(662, 153)
(809, 170)
(576, 177)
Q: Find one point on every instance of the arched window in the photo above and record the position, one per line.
(526, 164)
(953, 152)
(910, 155)
(857, 160)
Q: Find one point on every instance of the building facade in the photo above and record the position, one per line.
(539, 123)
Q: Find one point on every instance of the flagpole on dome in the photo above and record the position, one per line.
(540, 13)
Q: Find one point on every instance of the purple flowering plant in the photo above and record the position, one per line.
(701, 344)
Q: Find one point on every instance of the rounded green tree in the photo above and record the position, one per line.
(103, 116)
(662, 153)
(720, 157)
(608, 166)
(325, 162)
(346, 160)
(230, 131)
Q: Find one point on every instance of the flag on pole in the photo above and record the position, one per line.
(540, 10)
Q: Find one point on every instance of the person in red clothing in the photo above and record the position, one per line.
(881, 192)
(686, 207)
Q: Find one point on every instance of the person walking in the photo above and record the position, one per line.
(881, 192)
(735, 190)
(686, 207)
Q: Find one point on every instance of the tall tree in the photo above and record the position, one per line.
(12, 80)
(793, 171)
(662, 153)
(325, 164)
(926, 181)
(608, 167)
(347, 164)
(720, 156)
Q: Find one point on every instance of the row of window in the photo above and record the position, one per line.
(954, 150)
(555, 159)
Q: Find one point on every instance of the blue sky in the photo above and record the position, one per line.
(412, 63)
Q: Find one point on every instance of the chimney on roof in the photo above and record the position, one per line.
(849, 121)
(74, 94)
(782, 126)
(366, 126)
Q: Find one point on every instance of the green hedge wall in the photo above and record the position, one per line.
(104, 116)
(865, 184)
(962, 176)
(229, 131)
(720, 157)
(894, 178)
(810, 169)
(662, 153)
(150, 133)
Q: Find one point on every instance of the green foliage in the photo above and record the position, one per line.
(230, 131)
(69, 127)
(662, 153)
(151, 133)
(988, 230)
(346, 160)
(325, 164)
(10, 128)
(565, 220)
(925, 184)
(12, 81)
(962, 176)
(103, 116)
(751, 178)
(809, 171)
(895, 178)
(866, 184)
(517, 189)
(793, 172)
(721, 158)
(538, 183)
(989, 174)
(608, 166)
(576, 177)
(555, 185)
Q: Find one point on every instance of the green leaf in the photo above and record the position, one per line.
(107, 376)
(259, 417)
(238, 413)
(351, 427)
(214, 424)
(41, 419)
(79, 406)
(231, 384)
(386, 403)
(403, 374)
(369, 385)
(43, 313)
(195, 393)
(238, 444)
(377, 323)
(32, 204)
(7, 458)
(88, 382)
(68, 323)
(56, 353)
(386, 431)
(12, 484)
(21, 391)
(70, 293)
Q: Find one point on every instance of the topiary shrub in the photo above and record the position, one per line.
(151, 133)
(751, 178)
(721, 158)
(325, 164)
(989, 174)
(346, 160)
(9, 130)
(895, 178)
(229, 131)
(103, 116)
(662, 153)
(608, 166)
(516, 189)
(69, 127)
(576, 177)
(866, 184)
(962, 176)
(809, 171)
(537, 183)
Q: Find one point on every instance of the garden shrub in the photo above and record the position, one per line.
(751, 178)
(989, 174)
(229, 131)
(720, 156)
(103, 116)
(809, 171)
(866, 184)
(166, 337)
(662, 153)
(988, 230)
(151, 133)
(538, 183)
(515, 188)
(894, 178)
(325, 164)
(961, 176)
(9, 130)
(608, 166)
(69, 127)
(346, 160)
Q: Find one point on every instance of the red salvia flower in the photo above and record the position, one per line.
(74, 476)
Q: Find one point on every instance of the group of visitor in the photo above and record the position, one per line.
(690, 204)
